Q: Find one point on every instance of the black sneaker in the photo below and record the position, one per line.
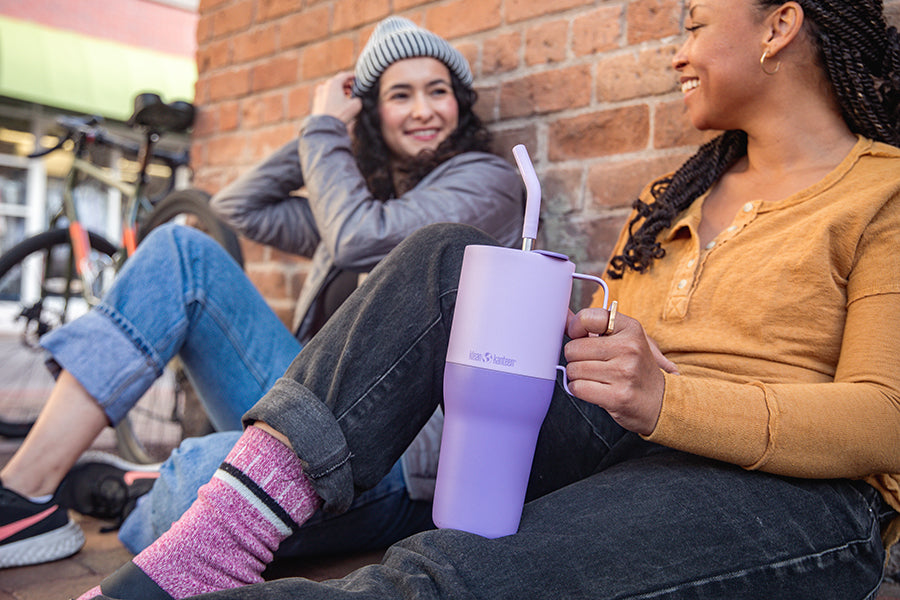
(105, 486)
(33, 533)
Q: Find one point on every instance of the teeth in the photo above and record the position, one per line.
(689, 85)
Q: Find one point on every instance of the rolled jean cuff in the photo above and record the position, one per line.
(115, 384)
(317, 439)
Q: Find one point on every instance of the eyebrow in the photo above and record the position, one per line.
(402, 85)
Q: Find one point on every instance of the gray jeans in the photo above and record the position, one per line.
(608, 514)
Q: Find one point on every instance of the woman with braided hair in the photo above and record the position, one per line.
(733, 433)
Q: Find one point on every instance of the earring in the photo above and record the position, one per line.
(762, 63)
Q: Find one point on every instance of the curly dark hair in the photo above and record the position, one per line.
(860, 55)
(374, 157)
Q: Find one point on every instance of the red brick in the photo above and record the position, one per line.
(228, 116)
(626, 76)
(405, 4)
(653, 19)
(506, 139)
(546, 92)
(233, 18)
(546, 43)
(299, 101)
(469, 50)
(206, 121)
(561, 190)
(327, 57)
(262, 110)
(255, 43)
(617, 184)
(204, 29)
(303, 28)
(672, 128)
(520, 10)
(500, 53)
(264, 142)
(276, 72)
(353, 13)
(486, 106)
(253, 252)
(229, 84)
(463, 17)
(205, 6)
(601, 133)
(226, 149)
(199, 160)
(269, 279)
(272, 9)
(597, 31)
(215, 55)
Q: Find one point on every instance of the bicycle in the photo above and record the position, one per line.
(61, 272)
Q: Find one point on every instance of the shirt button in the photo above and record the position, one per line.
(682, 284)
(748, 207)
(732, 228)
(711, 245)
(691, 262)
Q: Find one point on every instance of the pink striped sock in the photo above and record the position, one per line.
(256, 499)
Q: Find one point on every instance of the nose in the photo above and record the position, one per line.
(679, 61)
(422, 108)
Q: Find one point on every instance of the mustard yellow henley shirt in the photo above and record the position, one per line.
(786, 329)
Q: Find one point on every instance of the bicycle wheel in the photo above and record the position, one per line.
(38, 292)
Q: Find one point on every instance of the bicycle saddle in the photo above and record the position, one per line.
(151, 112)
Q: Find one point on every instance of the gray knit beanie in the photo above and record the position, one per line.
(396, 38)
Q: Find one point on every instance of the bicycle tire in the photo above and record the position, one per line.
(24, 380)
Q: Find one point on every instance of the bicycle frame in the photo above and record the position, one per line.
(85, 135)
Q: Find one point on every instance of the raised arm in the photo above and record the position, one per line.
(260, 204)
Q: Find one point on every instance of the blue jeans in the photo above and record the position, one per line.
(182, 294)
(608, 514)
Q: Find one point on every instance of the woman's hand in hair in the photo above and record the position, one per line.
(333, 98)
(621, 371)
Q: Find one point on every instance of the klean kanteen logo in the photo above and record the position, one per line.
(492, 359)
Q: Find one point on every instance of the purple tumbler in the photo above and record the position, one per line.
(501, 366)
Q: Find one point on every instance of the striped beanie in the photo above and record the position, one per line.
(396, 38)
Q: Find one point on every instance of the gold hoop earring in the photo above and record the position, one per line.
(762, 63)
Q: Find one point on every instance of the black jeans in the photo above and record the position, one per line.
(609, 515)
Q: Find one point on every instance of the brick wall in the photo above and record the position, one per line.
(587, 85)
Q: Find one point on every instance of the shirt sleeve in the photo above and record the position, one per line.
(260, 204)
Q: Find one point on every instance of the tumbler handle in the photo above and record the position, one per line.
(560, 368)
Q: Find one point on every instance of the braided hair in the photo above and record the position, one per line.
(375, 159)
(861, 58)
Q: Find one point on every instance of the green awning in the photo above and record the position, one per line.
(72, 71)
